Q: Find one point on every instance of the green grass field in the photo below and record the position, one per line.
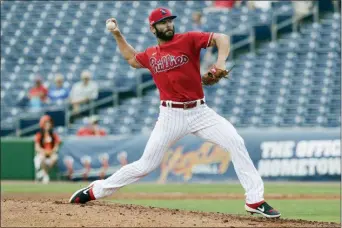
(308, 209)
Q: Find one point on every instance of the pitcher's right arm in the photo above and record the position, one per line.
(127, 51)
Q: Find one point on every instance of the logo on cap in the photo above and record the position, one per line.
(163, 11)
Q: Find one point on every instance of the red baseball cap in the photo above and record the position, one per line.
(44, 119)
(160, 14)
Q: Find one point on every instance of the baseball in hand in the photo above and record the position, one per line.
(111, 26)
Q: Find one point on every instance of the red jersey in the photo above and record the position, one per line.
(47, 141)
(175, 66)
(84, 131)
(225, 4)
(41, 89)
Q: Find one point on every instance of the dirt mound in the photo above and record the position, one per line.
(59, 213)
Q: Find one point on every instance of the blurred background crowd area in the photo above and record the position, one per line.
(58, 59)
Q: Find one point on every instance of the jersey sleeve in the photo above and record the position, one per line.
(201, 39)
(142, 59)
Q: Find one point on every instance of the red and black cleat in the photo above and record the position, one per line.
(82, 196)
(262, 208)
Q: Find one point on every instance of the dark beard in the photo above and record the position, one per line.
(163, 36)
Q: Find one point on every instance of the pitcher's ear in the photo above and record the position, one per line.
(153, 29)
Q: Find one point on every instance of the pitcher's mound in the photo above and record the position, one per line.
(46, 213)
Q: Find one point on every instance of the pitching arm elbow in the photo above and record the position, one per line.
(220, 38)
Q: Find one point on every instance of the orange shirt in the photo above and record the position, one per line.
(47, 142)
(84, 131)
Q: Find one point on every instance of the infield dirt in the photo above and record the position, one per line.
(53, 210)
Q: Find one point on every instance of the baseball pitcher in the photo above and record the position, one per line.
(175, 66)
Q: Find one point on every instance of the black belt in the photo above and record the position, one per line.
(187, 105)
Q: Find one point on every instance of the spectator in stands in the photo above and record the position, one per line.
(302, 9)
(92, 128)
(262, 5)
(228, 4)
(223, 6)
(83, 92)
(46, 146)
(37, 95)
(197, 24)
(58, 93)
(206, 54)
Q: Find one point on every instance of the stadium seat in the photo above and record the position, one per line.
(291, 82)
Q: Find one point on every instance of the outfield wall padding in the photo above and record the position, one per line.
(17, 159)
(278, 154)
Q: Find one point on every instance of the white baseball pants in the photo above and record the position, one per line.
(38, 160)
(173, 124)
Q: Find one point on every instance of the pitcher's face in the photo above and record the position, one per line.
(164, 30)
